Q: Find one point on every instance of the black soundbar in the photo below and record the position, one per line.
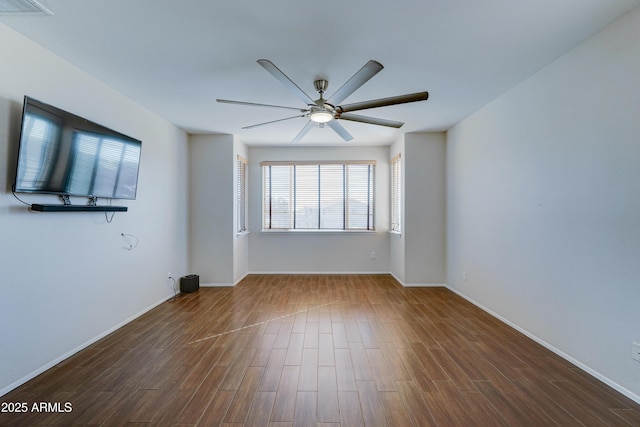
(76, 208)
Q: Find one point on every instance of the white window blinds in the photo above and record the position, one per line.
(241, 196)
(396, 194)
(318, 195)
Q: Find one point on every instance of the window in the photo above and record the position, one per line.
(396, 194)
(241, 196)
(318, 195)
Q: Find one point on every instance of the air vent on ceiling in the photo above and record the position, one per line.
(23, 8)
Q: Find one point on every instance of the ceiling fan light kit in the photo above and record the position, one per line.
(320, 115)
(320, 111)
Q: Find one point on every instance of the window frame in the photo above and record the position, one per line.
(395, 225)
(290, 214)
(242, 211)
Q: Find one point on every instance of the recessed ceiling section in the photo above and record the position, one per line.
(23, 7)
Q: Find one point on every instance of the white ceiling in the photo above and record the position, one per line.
(176, 57)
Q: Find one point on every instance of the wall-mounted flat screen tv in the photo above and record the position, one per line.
(61, 153)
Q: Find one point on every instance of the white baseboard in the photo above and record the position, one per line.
(216, 285)
(418, 285)
(424, 285)
(548, 346)
(241, 279)
(318, 272)
(81, 347)
(221, 285)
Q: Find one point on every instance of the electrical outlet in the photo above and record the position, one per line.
(169, 276)
(372, 255)
(635, 351)
(464, 276)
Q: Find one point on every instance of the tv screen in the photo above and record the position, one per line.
(61, 153)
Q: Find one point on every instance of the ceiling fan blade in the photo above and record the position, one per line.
(363, 75)
(370, 120)
(275, 72)
(383, 102)
(340, 130)
(254, 104)
(274, 121)
(303, 132)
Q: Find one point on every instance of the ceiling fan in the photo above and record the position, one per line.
(327, 111)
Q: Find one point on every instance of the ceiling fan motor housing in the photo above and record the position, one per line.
(321, 86)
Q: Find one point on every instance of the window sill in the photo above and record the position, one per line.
(242, 233)
(396, 233)
(311, 231)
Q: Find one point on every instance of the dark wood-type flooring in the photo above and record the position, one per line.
(319, 350)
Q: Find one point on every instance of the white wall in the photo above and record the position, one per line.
(424, 208)
(544, 204)
(418, 253)
(211, 220)
(321, 252)
(65, 278)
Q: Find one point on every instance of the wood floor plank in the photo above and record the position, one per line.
(415, 405)
(217, 409)
(361, 365)
(213, 380)
(273, 370)
(201, 369)
(631, 416)
(326, 350)
(344, 370)
(482, 411)
(380, 372)
(550, 406)
(237, 370)
(373, 413)
(327, 395)
(453, 370)
(283, 336)
(339, 335)
(324, 321)
(193, 411)
(308, 380)
(595, 408)
(440, 410)
(284, 405)
(311, 335)
(261, 408)
(321, 350)
(294, 350)
(507, 408)
(306, 408)
(367, 335)
(350, 413)
(243, 399)
(300, 323)
(395, 410)
(351, 327)
(430, 364)
(416, 370)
